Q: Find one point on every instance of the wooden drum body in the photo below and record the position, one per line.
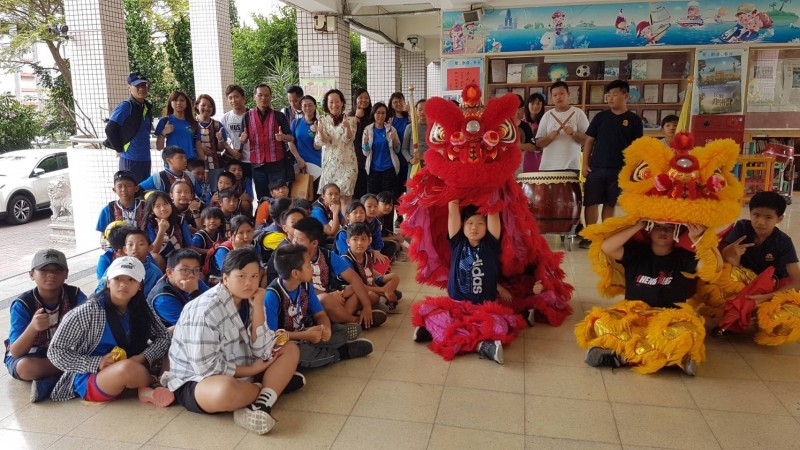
(554, 198)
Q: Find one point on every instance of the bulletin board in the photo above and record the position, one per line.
(458, 73)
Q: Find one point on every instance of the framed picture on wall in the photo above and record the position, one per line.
(651, 93)
(665, 113)
(650, 118)
(670, 94)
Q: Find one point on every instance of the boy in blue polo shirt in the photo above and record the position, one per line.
(342, 305)
(35, 315)
(174, 169)
(292, 304)
(126, 208)
(180, 285)
(137, 245)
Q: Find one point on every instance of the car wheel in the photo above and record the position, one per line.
(20, 210)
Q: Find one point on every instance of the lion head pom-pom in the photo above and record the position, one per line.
(683, 141)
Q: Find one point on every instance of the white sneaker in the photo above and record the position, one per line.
(253, 419)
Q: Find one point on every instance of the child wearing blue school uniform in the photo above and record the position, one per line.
(164, 228)
(126, 208)
(292, 304)
(174, 169)
(327, 210)
(181, 284)
(136, 245)
(35, 315)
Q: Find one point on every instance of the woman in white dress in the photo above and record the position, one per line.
(335, 135)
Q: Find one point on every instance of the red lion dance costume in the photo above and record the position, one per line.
(473, 154)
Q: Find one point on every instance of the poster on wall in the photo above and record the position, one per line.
(622, 24)
(719, 81)
(317, 87)
(458, 73)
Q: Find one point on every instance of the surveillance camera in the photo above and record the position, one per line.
(413, 40)
(64, 29)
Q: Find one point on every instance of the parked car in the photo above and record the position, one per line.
(24, 175)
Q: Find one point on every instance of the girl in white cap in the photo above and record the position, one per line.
(102, 345)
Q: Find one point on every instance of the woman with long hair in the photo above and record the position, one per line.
(335, 135)
(381, 144)
(177, 126)
(533, 111)
(212, 137)
(360, 109)
(399, 119)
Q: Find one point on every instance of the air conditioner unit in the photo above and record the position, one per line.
(473, 15)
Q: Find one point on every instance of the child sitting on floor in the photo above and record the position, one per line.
(126, 208)
(213, 232)
(35, 316)
(106, 344)
(164, 227)
(328, 210)
(363, 262)
(264, 214)
(292, 304)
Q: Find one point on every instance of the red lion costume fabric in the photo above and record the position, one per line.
(472, 157)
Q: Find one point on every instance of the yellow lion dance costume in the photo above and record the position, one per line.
(688, 185)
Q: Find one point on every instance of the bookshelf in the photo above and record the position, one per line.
(658, 80)
(755, 173)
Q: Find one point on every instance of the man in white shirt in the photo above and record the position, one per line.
(233, 121)
(561, 132)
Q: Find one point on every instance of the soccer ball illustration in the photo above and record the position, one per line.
(582, 71)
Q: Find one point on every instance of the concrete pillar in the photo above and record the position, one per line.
(98, 53)
(383, 71)
(435, 79)
(414, 74)
(212, 53)
(324, 57)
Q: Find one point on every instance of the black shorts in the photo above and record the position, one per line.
(601, 187)
(185, 397)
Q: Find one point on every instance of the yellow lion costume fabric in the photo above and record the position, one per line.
(683, 185)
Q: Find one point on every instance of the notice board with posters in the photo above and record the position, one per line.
(458, 73)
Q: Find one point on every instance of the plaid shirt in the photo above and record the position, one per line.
(79, 335)
(211, 339)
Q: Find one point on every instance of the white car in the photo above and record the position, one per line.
(24, 175)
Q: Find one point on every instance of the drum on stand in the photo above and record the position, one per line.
(554, 198)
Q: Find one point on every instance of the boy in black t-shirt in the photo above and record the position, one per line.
(657, 274)
(757, 244)
(610, 132)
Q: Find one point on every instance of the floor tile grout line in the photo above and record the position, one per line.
(439, 404)
(165, 425)
(611, 406)
(686, 386)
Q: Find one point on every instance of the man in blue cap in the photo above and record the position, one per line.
(128, 128)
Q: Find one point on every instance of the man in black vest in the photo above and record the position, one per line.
(128, 128)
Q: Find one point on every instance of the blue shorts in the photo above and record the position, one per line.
(379, 281)
(11, 362)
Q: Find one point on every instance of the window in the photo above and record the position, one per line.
(49, 164)
(62, 161)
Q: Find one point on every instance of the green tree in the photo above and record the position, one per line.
(233, 12)
(358, 62)
(179, 55)
(281, 73)
(59, 117)
(143, 54)
(255, 50)
(18, 124)
(26, 22)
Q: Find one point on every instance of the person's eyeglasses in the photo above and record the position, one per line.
(187, 271)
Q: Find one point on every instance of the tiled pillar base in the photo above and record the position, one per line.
(414, 74)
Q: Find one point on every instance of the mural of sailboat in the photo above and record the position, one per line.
(659, 23)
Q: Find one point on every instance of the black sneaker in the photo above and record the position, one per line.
(721, 332)
(356, 349)
(530, 317)
(41, 389)
(296, 383)
(585, 243)
(378, 318)
(421, 334)
(491, 350)
(602, 357)
(352, 330)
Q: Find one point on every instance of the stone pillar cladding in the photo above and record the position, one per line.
(383, 70)
(323, 55)
(435, 79)
(212, 52)
(414, 74)
(98, 53)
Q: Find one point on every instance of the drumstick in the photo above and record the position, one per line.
(564, 123)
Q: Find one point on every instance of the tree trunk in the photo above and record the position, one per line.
(60, 62)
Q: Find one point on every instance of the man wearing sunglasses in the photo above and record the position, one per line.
(179, 285)
(128, 128)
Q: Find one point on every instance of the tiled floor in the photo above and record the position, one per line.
(404, 396)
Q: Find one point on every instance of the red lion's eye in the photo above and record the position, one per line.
(507, 132)
(640, 172)
(436, 134)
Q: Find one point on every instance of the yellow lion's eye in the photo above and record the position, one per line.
(436, 134)
(507, 132)
(641, 172)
